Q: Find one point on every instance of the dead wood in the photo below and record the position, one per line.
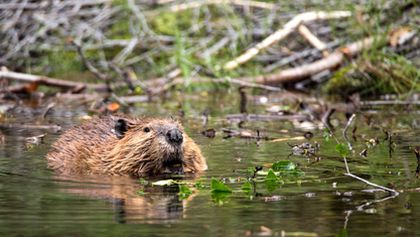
(42, 80)
(54, 128)
(389, 102)
(280, 34)
(135, 99)
(299, 73)
(263, 117)
(313, 40)
(244, 3)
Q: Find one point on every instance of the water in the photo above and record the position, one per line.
(36, 202)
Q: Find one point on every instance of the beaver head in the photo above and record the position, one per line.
(147, 146)
(126, 146)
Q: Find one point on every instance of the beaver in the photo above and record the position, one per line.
(121, 145)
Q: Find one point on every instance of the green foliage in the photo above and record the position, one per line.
(184, 191)
(219, 187)
(342, 149)
(326, 135)
(61, 63)
(122, 3)
(219, 191)
(199, 185)
(286, 168)
(271, 181)
(170, 23)
(271, 176)
(120, 30)
(283, 165)
(165, 23)
(182, 58)
(220, 197)
(143, 181)
(378, 71)
(342, 233)
(247, 187)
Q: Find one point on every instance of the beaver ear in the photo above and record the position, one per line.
(121, 126)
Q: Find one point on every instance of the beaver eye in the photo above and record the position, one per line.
(146, 129)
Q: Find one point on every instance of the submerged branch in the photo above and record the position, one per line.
(349, 122)
(263, 117)
(372, 184)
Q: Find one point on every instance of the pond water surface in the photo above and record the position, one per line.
(320, 202)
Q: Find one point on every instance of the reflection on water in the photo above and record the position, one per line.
(155, 204)
(36, 202)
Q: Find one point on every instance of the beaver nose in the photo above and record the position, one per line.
(174, 136)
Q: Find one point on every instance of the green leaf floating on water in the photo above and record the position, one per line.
(286, 168)
(283, 165)
(247, 187)
(342, 149)
(271, 176)
(199, 185)
(219, 191)
(271, 181)
(184, 191)
(219, 186)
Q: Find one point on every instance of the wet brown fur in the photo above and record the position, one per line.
(94, 148)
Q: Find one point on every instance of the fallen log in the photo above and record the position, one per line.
(299, 73)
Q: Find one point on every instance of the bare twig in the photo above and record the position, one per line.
(349, 122)
(312, 39)
(197, 4)
(368, 182)
(88, 65)
(55, 128)
(163, 84)
(348, 173)
(288, 28)
(121, 56)
(361, 207)
(134, 99)
(47, 109)
(389, 102)
(299, 55)
(248, 84)
(46, 80)
(263, 117)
